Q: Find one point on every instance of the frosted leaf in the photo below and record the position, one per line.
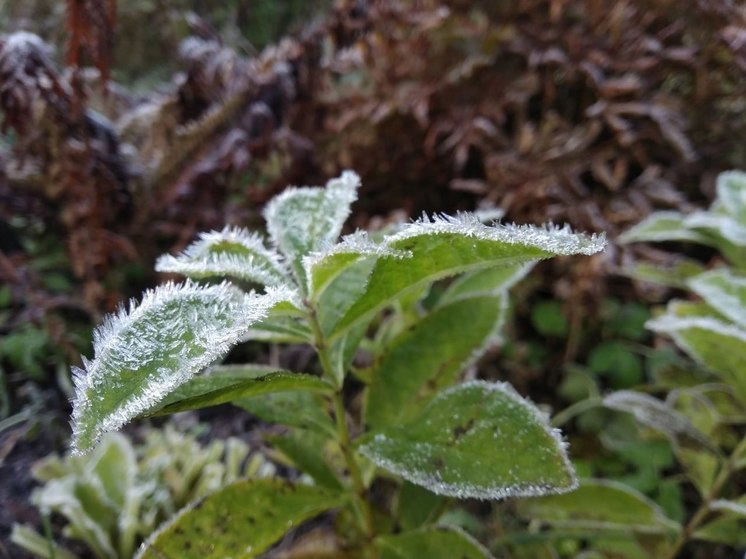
(446, 246)
(143, 354)
(490, 281)
(718, 345)
(723, 291)
(249, 516)
(731, 193)
(553, 240)
(476, 440)
(322, 267)
(656, 414)
(725, 225)
(661, 226)
(310, 219)
(600, 505)
(430, 356)
(431, 542)
(232, 252)
(731, 507)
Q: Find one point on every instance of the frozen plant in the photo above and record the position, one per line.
(112, 498)
(413, 423)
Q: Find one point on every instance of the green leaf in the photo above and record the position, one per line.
(449, 246)
(29, 539)
(723, 530)
(600, 505)
(321, 268)
(306, 449)
(662, 226)
(489, 281)
(435, 542)
(231, 383)
(723, 291)
(549, 319)
(144, 354)
(232, 252)
(295, 409)
(82, 502)
(416, 506)
(675, 275)
(240, 521)
(734, 508)
(281, 329)
(457, 446)
(305, 220)
(701, 467)
(656, 414)
(430, 356)
(731, 193)
(716, 344)
(615, 360)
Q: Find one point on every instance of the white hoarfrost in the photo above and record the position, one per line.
(551, 238)
(233, 252)
(141, 355)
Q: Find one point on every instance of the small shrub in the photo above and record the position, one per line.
(413, 423)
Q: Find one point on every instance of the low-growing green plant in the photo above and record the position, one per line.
(114, 497)
(401, 420)
(700, 420)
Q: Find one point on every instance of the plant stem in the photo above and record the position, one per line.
(576, 409)
(704, 508)
(360, 502)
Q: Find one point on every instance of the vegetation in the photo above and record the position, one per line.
(117, 147)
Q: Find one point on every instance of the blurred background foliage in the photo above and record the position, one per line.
(127, 127)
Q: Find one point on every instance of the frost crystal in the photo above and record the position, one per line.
(551, 238)
(231, 252)
(142, 355)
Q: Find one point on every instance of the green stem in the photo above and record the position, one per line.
(576, 409)
(704, 508)
(360, 502)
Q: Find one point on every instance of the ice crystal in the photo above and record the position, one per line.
(142, 354)
(550, 238)
(231, 252)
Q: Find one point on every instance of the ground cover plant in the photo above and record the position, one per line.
(412, 422)
(113, 498)
(682, 429)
